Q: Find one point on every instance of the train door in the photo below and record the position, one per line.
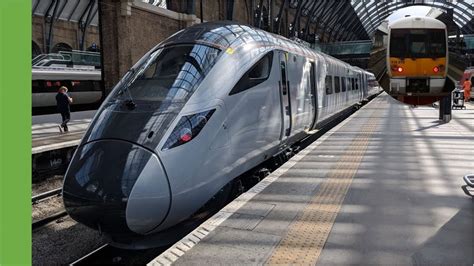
(314, 94)
(299, 92)
(285, 98)
(366, 86)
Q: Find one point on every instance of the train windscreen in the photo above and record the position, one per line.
(170, 74)
(418, 43)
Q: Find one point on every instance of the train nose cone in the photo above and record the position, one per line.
(117, 187)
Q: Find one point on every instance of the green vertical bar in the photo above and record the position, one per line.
(15, 132)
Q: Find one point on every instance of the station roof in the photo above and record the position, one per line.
(80, 11)
(343, 20)
(372, 12)
(349, 20)
(75, 11)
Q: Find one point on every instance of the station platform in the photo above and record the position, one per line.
(382, 187)
(46, 135)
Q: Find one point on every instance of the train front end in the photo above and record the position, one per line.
(417, 58)
(118, 181)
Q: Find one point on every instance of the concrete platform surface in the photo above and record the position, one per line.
(46, 135)
(383, 187)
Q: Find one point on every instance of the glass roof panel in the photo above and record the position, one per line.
(371, 12)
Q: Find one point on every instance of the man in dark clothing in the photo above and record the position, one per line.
(63, 100)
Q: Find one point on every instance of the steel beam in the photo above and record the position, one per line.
(278, 18)
(259, 14)
(315, 6)
(49, 23)
(339, 21)
(84, 23)
(322, 19)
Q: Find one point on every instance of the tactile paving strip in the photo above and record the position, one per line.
(308, 233)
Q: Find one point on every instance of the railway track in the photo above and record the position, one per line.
(44, 196)
(44, 221)
(107, 255)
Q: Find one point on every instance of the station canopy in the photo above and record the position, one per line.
(75, 11)
(81, 11)
(373, 12)
(343, 20)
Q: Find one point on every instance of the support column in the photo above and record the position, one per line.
(114, 29)
(130, 28)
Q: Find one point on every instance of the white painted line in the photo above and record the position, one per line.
(90, 253)
(55, 146)
(212, 223)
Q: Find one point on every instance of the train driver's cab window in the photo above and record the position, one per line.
(328, 84)
(83, 85)
(343, 83)
(417, 44)
(337, 84)
(257, 74)
(37, 86)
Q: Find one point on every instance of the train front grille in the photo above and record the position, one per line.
(420, 85)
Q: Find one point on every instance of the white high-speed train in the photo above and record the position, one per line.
(84, 87)
(204, 106)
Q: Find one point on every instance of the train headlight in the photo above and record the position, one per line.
(400, 69)
(187, 129)
(436, 69)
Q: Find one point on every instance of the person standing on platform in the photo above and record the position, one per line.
(63, 101)
(467, 90)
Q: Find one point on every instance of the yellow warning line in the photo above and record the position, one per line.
(308, 233)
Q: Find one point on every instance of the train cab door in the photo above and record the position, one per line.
(285, 98)
(314, 95)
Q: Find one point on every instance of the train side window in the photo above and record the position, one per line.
(357, 83)
(343, 83)
(97, 86)
(37, 86)
(337, 84)
(257, 74)
(53, 85)
(328, 84)
(81, 85)
(353, 84)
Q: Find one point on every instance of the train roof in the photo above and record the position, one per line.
(231, 35)
(417, 22)
(65, 74)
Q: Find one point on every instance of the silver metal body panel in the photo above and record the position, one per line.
(149, 199)
(80, 97)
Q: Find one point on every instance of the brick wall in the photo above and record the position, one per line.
(130, 28)
(63, 32)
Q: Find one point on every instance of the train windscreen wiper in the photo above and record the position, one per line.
(130, 103)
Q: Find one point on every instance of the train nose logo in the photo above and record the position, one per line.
(55, 162)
